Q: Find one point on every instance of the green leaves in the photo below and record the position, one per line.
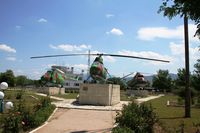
(191, 8)
(162, 81)
(138, 118)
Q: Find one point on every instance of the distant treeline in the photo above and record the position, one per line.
(20, 80)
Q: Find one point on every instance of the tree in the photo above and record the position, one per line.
(187, 9)
(180, 81)
(21, 80)
(118, 81)
(162, 81)
(196, 76)
(182, 7)
(8, 77)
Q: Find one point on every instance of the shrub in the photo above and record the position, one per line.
(122, 130)
(198, 102)
(138, 118)
(27, 120)
(12, 122)
(42, 115)
(22, 117)
(46, 101)
(180, 101)
(20, 94)
(181, 93)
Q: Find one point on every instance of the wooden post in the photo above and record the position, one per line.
(187, 75)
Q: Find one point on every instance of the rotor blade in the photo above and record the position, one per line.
(101, 54)
(136, 57)
(129, 75)
(59, 55)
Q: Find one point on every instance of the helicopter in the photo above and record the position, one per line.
(58, 74)
(97, 71)
(53, 77)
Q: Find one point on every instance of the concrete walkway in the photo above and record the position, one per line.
(73, 118)
(79, 121)
(72, 104)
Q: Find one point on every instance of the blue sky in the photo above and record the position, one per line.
(32, 27)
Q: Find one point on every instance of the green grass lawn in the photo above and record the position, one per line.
(124, 96)
(172, 117)
(67, 95)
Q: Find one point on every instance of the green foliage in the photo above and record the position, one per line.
(8, 77)
(25, 117)
(122, 130)
(42, 115)
(181, 92)
(172, 8)
(162, 81)
(118, 81)
(20, 94)
(198, 102)
(21, 80)
(138, 118)
(180, 81)
(12, 123)
(46, 101)
(196, 76)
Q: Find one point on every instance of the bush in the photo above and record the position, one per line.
(138, 118)
(12, 122)
(20, 94)
(46, 101)
(181, 93)
(198, 102)
(42, 115)
(122, 130)
(23, 118)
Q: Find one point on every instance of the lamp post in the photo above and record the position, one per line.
(8, 105)
(1, 101)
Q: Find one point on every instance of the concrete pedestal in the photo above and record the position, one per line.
(99, 94)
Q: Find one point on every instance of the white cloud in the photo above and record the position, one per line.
(11, 58)
(42, 20)
(7, 48)
(109, 15)
(36, 74)
(116, 32)
(19, 72)
(18, 27)
(151, 33)
(81, 67)
(70, 48)
(178, 49)
(148, 54)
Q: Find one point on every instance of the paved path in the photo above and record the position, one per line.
(71, 104)
(74, 118)
(79, 121)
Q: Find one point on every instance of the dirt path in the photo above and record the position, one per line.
(79, 121)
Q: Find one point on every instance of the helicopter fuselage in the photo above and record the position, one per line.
(98, 71)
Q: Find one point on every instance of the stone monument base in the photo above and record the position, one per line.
(99, 94)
